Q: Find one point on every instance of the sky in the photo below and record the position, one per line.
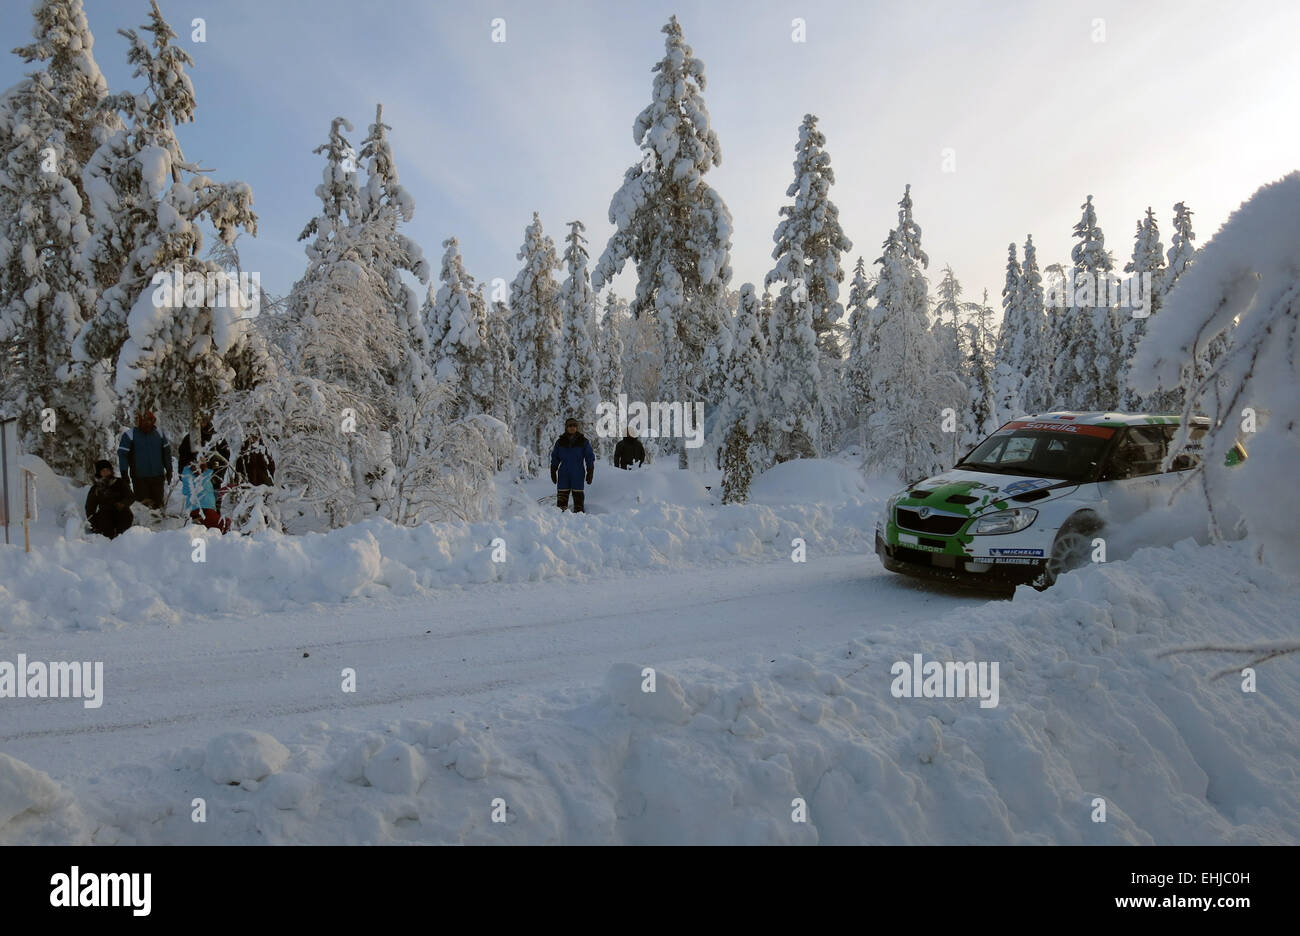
(1002, 116)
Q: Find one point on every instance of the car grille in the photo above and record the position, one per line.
(942, 524)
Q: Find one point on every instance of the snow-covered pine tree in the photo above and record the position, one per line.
(1148, 258)
(905, 434)
(947, 326)
(384, 205)
(809, 242)
(50, 124)
(535, 332)
(609, 350)
(576, 367)
(505, 382)
(745, 410)
(1181, 250)
(857, 364)
(980, 417)
(950, 354)
(1056, 322)
(1013, 344)
(1089, 352)
(798, 408)
(673, 225)
(168, 347)
(462, 360)
(1037, 354)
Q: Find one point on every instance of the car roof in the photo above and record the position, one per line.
(1112, 419)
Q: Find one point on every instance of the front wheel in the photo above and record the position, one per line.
(1070, 549)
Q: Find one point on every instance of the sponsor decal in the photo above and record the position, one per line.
(1002, 560)
(1014, 551)
(1101, 432)
(1029, 484)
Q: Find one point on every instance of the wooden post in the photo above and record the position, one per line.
(29, 483)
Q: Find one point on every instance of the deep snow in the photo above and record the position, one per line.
(772, 685)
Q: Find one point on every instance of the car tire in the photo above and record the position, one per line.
(1070, 549)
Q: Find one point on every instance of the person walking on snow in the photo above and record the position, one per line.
(570, 453)
(144, 457)
(628, 450)
(200, 497)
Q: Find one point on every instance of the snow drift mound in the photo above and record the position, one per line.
(156, 577)
(1089, 715)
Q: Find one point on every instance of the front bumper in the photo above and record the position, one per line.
(956, 569)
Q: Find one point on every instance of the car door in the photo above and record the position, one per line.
(1132, 480)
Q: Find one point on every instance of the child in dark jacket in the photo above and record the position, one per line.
(571, 452)
(108, 502)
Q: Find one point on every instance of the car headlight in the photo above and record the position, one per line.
(1003, 521)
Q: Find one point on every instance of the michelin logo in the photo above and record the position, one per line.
(1009, 551)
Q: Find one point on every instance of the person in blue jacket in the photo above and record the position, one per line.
(200, 496)
(571, 452)
(144, 457)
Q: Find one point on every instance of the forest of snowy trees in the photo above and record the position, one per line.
(384, 384)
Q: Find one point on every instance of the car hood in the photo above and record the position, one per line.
(988, 489)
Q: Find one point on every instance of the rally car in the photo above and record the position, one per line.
(1030, 501)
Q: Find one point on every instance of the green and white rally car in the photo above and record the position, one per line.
(1027, 503)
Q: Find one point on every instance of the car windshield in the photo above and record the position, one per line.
(1067, 451)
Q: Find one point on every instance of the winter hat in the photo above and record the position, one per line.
(101, 465)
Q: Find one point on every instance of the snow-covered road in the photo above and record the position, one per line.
(166, 687)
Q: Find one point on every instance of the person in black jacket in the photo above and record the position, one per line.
(628, 450)
(108, 502)
(254, 465)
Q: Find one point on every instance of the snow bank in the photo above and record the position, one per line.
(1089, 713)
(640, 520)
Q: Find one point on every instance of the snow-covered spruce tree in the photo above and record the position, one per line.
(50, 124)
(905, 436)
(346, 343)
(1148, 259)
(535, 333)
(576, 367)
(1056, 320)
(794, 371)
(505, 382)
(745, 408)
(1181, 249)
(980, 417)
(673, 225)
(1089, 349)
(610, 348)
(462, 360)
(857, 366)
(809, 242)
(1182, 255)
(1037, 354)
(643, 359)
(1013, 345)
(1245, 288)
(949, 337)
(168, 347)
(384, 205)
(1024, 346)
